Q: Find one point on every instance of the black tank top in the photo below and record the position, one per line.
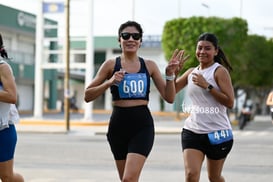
(134, 85)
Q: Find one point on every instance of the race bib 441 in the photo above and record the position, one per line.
(220, 136)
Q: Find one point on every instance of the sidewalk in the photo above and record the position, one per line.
(165, 123)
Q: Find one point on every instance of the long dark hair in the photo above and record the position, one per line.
(3, 52)
(220, 57)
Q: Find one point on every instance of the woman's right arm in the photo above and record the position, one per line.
(182, 81)
(269, 100)
(100, 83)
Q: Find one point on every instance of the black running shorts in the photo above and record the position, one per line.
(131, 130)
(191, 140)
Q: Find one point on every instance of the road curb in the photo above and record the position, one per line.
(61, 122)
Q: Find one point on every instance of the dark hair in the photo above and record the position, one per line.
(130, 24)
(220, 57)
(3, 52)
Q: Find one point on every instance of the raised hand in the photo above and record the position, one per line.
(182, 60)
(176, 62)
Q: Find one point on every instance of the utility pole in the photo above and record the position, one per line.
(38, 91)
(89, 70)
(67, 68)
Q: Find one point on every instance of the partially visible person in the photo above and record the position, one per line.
(207, 132)
(3, 52)
(269, 102)
(247, 114)
(131, 127)
(8, 117)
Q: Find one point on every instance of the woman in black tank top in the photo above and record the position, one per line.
(131, 128)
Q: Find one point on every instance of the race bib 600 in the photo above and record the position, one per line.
(133, 86)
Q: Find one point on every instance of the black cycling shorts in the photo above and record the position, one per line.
(131, 130)
(191, 140)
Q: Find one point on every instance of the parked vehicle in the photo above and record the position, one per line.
(247, 114)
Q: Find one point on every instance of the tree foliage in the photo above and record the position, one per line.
(182, 33)
(256, 69)
(250, 55)
(256, 64)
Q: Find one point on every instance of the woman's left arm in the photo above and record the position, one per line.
(165, 88)
(269, 100)
(8, 93)
(225, 95)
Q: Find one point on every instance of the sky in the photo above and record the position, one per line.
(152, 14)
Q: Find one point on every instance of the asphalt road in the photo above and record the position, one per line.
(80, 157)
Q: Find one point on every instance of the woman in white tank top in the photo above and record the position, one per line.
(269, 102)
(207, 131)
(8, 117)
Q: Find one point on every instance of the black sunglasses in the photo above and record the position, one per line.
(126, 36)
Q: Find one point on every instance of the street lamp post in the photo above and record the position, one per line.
(38, 90)
(67, 68)
(179, 8)
(241, 8)
(89, 70)
(133, 10)
(206, 6)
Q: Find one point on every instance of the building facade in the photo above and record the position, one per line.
(18, 32)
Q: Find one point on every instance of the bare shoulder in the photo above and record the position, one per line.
(6, 72)
(3, 64)
(150, 64)
(186, 74)
(222, 75)
(108, 65)
(106, 69)
(109, 62)
(221, 71)
(189, 70)
(5, 67)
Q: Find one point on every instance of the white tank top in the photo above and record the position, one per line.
(8, 112)
(206, 114)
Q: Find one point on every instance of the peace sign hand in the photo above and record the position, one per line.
(176, 62)
(182, 60)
